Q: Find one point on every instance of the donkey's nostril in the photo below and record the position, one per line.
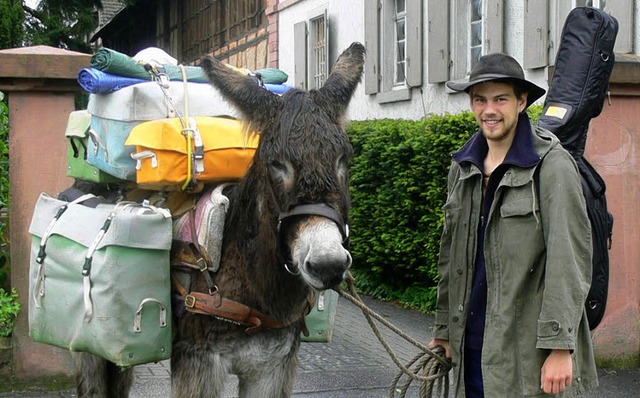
(330, 273)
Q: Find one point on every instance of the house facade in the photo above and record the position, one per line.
(415, 46)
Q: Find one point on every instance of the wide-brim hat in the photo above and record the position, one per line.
(499, 67)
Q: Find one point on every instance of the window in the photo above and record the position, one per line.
(400, 19)
(477, 29)
(476, 33)
(622, 10)
(311, 51)
(601, 4)
(393, 38)
(318, 56)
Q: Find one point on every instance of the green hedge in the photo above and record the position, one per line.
(398, 187)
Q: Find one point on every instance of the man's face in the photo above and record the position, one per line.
(496, 108)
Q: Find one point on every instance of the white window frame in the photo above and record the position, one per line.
(381, 44)
(622, 10)
(311, 50)
(400, 59)
(460, 30)
(471, 22)
(318, 66)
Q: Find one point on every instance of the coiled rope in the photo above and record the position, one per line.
(429, 367)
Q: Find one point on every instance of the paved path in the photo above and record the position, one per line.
(354, 364)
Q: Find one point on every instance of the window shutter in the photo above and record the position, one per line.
(622, 10)
(414, 43)
(438, 40)
(494, 16)
(327, 49)
(372, 46)
(561, 13)
(536, 34)
(300, 54)
(459, 41)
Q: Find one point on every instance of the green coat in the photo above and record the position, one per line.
(538, 261)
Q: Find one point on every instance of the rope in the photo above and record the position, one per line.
(429, 367)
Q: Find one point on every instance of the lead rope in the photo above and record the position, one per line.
(429, 367)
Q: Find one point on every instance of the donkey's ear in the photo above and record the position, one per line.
(254, 102)
(342, 82)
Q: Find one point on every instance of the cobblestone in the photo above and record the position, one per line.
(354, 364)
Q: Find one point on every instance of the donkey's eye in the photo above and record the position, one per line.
(279, 167)
(284, 172)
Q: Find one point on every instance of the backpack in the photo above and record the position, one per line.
(576, 95)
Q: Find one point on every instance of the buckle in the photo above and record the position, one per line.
(202, 264)
(162, 79)
(188, 131)
(190, 301)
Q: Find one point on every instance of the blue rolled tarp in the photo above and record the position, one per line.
(278, 88)
(96, 81)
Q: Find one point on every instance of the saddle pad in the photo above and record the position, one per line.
(210, 215)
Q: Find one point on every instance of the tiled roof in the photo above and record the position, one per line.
(109, 9)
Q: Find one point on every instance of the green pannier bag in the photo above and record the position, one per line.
(77, 166)
(321, 319)
(99, 279)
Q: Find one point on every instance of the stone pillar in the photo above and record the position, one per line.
(41, 85)
(613, 147)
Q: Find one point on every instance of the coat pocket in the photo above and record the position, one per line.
(452, 212)
(519, 206)
(519, 215)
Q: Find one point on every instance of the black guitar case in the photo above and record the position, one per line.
(576, 95)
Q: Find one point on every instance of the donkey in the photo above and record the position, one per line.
(285, 236)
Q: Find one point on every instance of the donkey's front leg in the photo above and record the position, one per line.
(275, 382)
(197, 372)
(273, 371)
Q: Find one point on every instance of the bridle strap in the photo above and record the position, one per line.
(228, 310)
(318, 209)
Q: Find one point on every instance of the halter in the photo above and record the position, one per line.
(315, 209)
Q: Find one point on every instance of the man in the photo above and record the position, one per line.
(515, 256)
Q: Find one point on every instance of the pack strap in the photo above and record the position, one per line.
(232, 311)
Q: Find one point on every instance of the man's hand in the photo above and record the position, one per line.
(444, 343)
(557, 372)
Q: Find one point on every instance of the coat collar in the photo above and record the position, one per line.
(523, 152)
